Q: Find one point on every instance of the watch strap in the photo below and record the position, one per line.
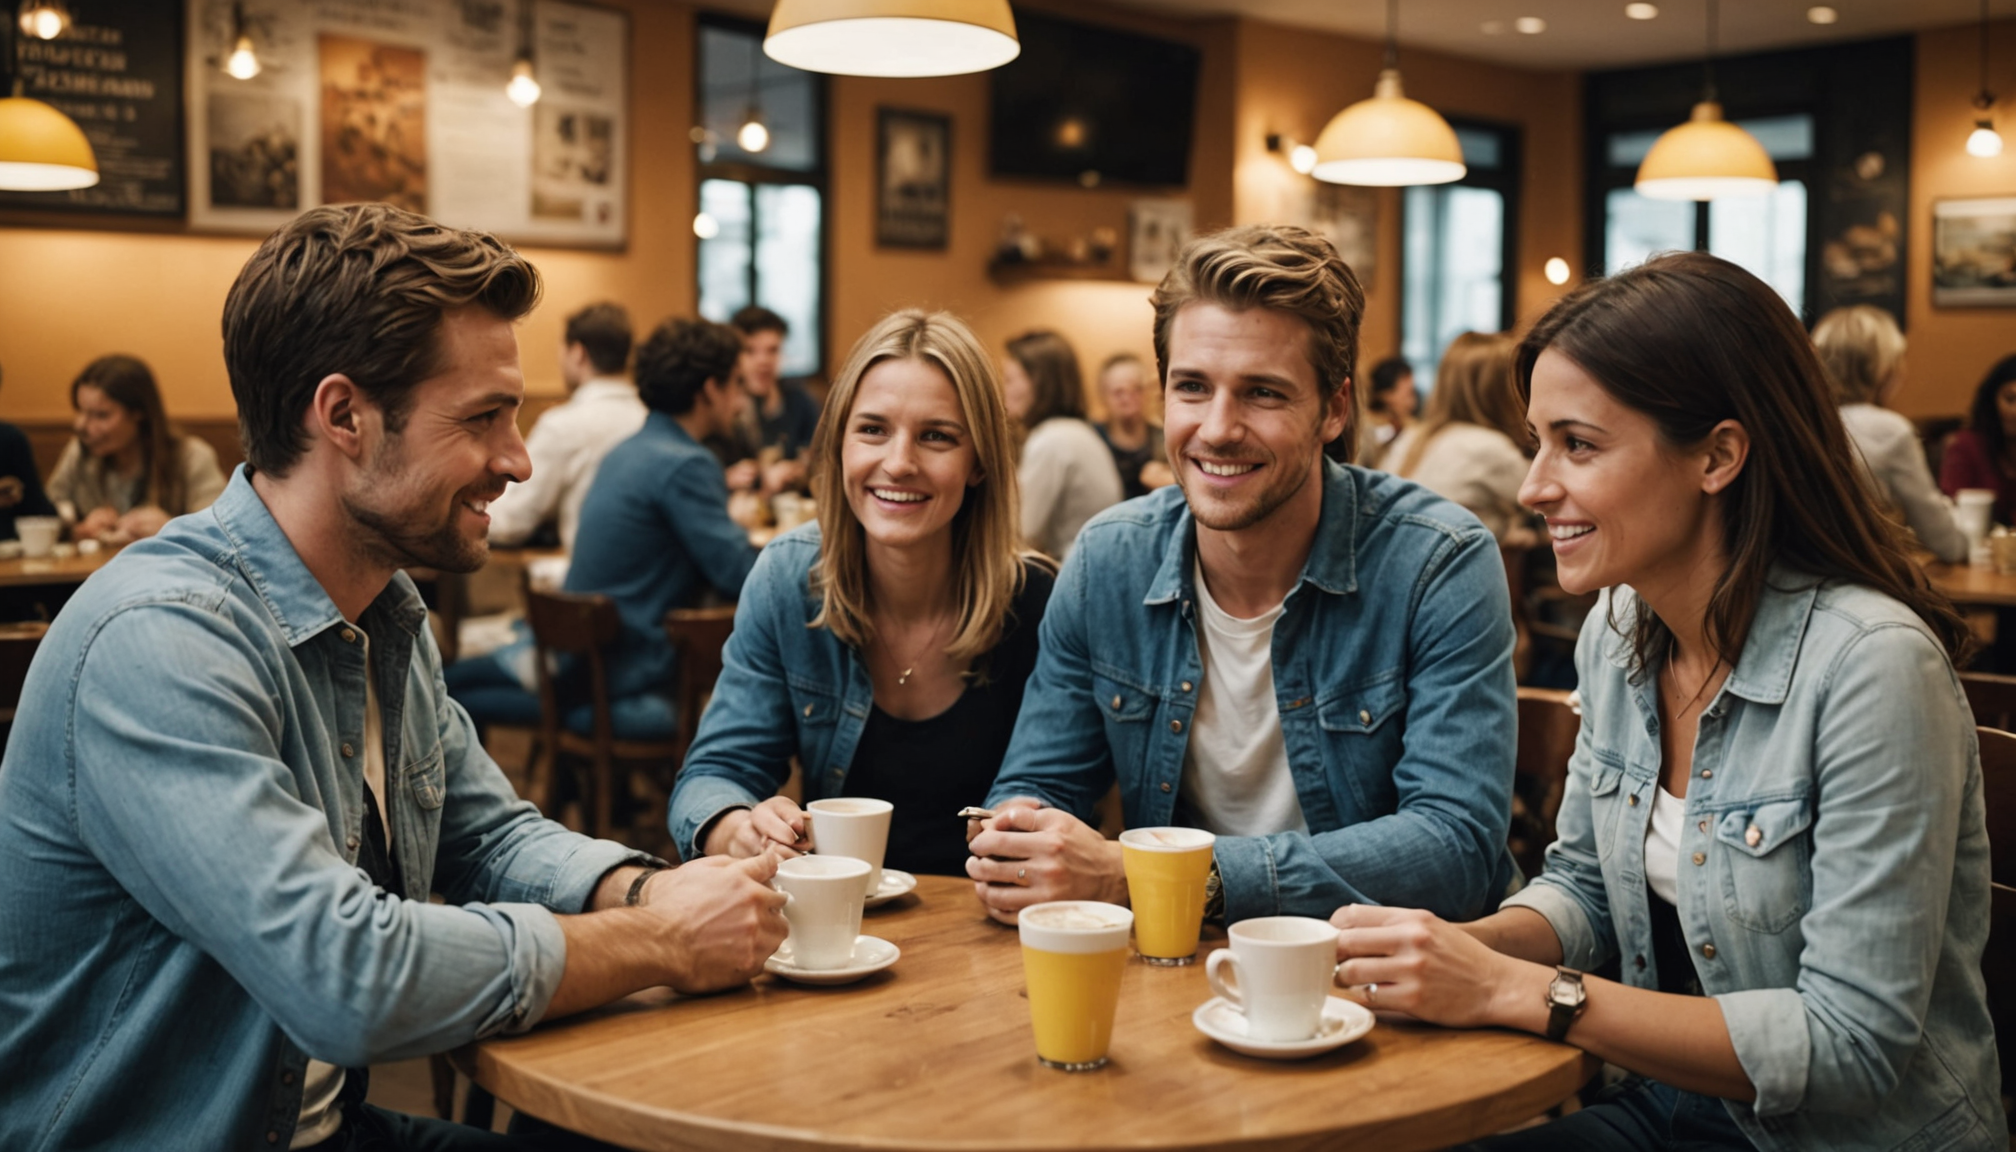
(1562, 1011)
(635, 896)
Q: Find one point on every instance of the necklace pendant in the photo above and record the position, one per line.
(905, 678)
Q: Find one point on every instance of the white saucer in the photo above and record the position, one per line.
(1343, 1021)
(894, 883)
(871, 955)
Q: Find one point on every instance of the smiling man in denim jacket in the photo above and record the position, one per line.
(1313, 661)
(236, 777)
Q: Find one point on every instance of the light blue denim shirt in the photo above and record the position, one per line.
(1833, 870)
(1392, 673)
(183, 922)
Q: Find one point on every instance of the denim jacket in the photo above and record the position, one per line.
(1833, 871)
(1392, 674)
(183, 921)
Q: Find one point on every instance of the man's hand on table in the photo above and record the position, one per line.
(1027, 854)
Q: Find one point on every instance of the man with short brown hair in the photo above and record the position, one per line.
(235, 779)
(1312, 661)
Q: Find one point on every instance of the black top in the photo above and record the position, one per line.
(930, 769)
(754, 430)
(1130, 461)
(1669, 948)
(17, 464)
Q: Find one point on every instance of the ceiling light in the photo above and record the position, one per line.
(892, 37)
(243, 63)
(1302, 158)
(1388, 140)
(44, 19)
(1706, 158)
(524, 89)
(753, 136)
(1984, 141)
(706, 227)
(41, 149)
(1642, 11)
(1557, 270)
(1821, 14)
(1530, 25)
(1494, 27)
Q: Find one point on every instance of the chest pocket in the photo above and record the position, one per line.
(1605, 798)
(1129, 711)
(1362, 727)
(1765, 851)
(427, 779)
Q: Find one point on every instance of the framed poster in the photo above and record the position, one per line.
(1974, 252)
(403, 101)
(913, 179)
(118, 73)
(1157, 231)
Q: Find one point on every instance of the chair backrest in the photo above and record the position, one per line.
(577, 625)
(1998, 787)
(17, 650)
(1548, 725)
(1998, 960)
(1993, 699)
(698, 636)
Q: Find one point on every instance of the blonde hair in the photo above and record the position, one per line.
(1474, 384)
(1860, 347)
(986, 531)
(1287, 269)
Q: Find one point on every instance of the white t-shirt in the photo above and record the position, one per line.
(1235, 769)
(321, 1082)
(1662, 845)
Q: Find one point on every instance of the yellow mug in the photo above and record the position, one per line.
(1073, 954)
(1166, 871)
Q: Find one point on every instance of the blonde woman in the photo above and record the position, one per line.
(1467, 449)
(885, 646)
(1863, 353)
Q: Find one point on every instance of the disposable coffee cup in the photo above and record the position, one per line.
(1073, 955)
(1972, 508)
(1166, 873)
(38, 534)
(1277, 973)
(825, 894)
(853, 826)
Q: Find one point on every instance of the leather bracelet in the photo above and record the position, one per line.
(1214, 895)
(635, 896)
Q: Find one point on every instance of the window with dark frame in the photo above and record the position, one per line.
(1459, 246)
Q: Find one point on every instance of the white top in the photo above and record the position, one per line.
(567, 445)
(1662, 845)
(322, 1082)
(1477, 467)
(1068, 477)
(1235, 768)
(1887, 444)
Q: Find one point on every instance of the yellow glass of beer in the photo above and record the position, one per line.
(1073, 953)
(1166, 870)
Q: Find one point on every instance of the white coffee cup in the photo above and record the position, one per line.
(1972, 508)
(1281, 968)
(38, 534)
(853, 826)
(824, 908)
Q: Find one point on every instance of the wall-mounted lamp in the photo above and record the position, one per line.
(1557, 270)
(1984, 141)
(243, 62)
(44, 19)
(524, 86)
(1300, 156)
(705, 226)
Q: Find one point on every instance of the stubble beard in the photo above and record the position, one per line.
(402, 533)
(1221, 516)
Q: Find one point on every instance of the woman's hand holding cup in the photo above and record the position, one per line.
(1431, 969)
(775, 825)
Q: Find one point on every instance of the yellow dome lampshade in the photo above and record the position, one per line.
(42, 150)
(1707, 158)
(892, 37)
(1388, 141)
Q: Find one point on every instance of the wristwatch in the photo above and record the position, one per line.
(1214, 895)
(1566, 997)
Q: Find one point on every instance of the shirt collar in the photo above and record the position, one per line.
(291, 593)
(1763, 672)
(1332, 565)
(605, 388)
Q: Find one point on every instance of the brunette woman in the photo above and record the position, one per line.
(1067, 474)
(127, 472)
(1774, 814)
(1983, 454)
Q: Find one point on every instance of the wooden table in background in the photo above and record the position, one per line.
(936, 1052)
(52, 570)
(1969, 585)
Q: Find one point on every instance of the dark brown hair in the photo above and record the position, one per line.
(356, 289)
(679, 358)
(753, 318)
(129, 383)
(603, 331)
(1285, 268)
(1052, 366)
(1691, 340)
(1985, 419)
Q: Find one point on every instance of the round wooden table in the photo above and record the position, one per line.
(936, 1052)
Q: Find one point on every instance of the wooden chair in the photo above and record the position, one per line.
(17, 649)
(583, 627)
(1998, 960)
(1993, 699)
(1548, 724)
(698, 636)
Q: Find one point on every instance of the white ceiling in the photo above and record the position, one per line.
(1595, 34)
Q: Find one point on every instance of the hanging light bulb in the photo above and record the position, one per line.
(524, 86)
(1706, 158)
(45, 19)
(1984, 141)
(892, 37)
(1389, 140)
(705, 226)
(753, 136)
(243, 63)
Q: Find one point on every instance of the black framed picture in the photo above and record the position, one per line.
(1974, 252)
(913, 178)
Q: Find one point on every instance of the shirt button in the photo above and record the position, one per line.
(1632, 800)
(272, 1137)
(1700, 858)
(286, 1078)
(1708, 950)
(1754, 836)
(349, 636)
(1116, 703)
(1165, 786)
(352, 842)
(1175, 726)
(1640, 961)
(1703, 826)
(1186, 686)
(348, 751)
(1707, 773)
(808, 710)
(1364, 717)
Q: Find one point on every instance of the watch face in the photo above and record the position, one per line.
(1566, 992)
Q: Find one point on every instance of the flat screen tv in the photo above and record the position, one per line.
(1093, 105)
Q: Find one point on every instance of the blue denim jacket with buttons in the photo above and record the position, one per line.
(1833, 868)
(1392, 674)
(183, 921)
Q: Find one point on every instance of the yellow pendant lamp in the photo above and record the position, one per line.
(1706, 158)
(1388, 140)
(41, 149)
(892, 37)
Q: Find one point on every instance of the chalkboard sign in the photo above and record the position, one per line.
(118, 73)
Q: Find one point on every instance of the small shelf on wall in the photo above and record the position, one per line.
(1006, 272)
